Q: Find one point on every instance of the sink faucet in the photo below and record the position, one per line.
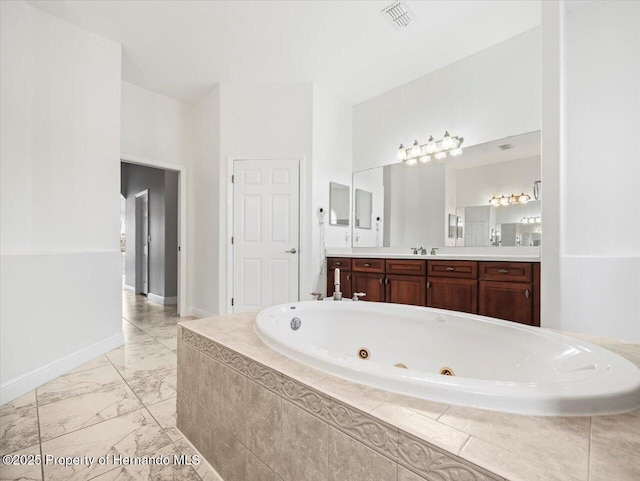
(423, 251)
(337, 295)
(433, 251)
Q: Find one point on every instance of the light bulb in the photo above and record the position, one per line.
(513, 199)
(402, 154)
(425, 158)
(412, 161)
(440, 155)
(432, 146)
(524, 220)
(455, 152)
(524, 198)
(448, 143)
(504, 200)
(494, 201)
(538, 220)
(415, 150)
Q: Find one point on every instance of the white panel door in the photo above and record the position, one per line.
(266, 195)
(474, 234)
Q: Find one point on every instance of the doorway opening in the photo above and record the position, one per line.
(153, 232)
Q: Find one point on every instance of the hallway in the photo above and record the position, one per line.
(122, 403)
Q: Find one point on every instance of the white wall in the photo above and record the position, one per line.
(475, 186)
(490, 95)
(60, 177)
(205, 204)
(600, 223)
(156, 127)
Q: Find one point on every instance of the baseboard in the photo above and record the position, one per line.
(200, 313)
(129, 288)
(31, 380)
(167, 301)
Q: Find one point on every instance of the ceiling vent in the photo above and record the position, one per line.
(505, 146)
(398, 14)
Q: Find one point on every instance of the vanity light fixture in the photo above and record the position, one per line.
(436, 148)
(402, 153)
(531, 220)
(509, 200)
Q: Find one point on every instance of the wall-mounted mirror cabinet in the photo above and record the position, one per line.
(446, 202)
(339, 201)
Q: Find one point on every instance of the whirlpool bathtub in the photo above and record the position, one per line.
(453, 358)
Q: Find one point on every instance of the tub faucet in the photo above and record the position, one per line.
(318, 295)
(357, 296)
(337, 295)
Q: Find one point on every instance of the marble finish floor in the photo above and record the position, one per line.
(122, 403)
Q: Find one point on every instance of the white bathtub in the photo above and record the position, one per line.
(498, 365)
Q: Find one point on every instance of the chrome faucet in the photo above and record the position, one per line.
(433, 251)
(423, 251)
(337, 295)
(357, 296)
(318, 295)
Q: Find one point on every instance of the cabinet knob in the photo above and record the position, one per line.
(381, 280)
(451, 268)
(527, 294)
(503, 271)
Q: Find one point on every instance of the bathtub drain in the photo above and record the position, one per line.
(295, 323)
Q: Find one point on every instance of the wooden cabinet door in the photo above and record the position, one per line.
(512, 301)
(345, 283)
(370, 283)
(406, 290)
(453, 294)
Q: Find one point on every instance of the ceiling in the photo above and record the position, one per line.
(524, 147)
(183, 48)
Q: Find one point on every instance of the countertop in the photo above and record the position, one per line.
(442, 257)
(515, 447)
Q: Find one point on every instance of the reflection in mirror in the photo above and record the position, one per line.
(363, 212)
(446, 202)
(339, 203)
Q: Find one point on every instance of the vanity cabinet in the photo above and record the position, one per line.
(406, 282)
(453, 285)
(506, 291)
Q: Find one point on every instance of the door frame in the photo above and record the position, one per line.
(302, 201)
(182, 219)
(137, 227)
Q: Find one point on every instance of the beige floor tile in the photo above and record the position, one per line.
(619, 431)
(84, 410)
(132, 434)
(22, 472)
(152, 386)
(165, 413)
(609, 464)
(562, 442)
(132, 353)
(100, 361)
(19, 423)
(76, 383)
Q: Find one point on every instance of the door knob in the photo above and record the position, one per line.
(291, 251)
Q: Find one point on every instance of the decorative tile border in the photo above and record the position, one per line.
(427, 461)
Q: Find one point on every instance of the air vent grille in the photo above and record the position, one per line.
(398, 14)
(505, 146)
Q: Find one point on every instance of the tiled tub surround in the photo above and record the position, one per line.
(257, 415)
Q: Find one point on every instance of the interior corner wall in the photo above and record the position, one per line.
(600, 228)
(204, 208)
(490, 95)
(60, 204)
(332, 162)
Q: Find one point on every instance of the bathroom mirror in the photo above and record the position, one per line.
(446, 202)
(363, 203)
(339, 196)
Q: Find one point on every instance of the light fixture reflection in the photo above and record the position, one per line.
(402, 154)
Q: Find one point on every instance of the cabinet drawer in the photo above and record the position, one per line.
(506, 271)
(343, 263)
(406, 267)
(368, 265)
(459, 269)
